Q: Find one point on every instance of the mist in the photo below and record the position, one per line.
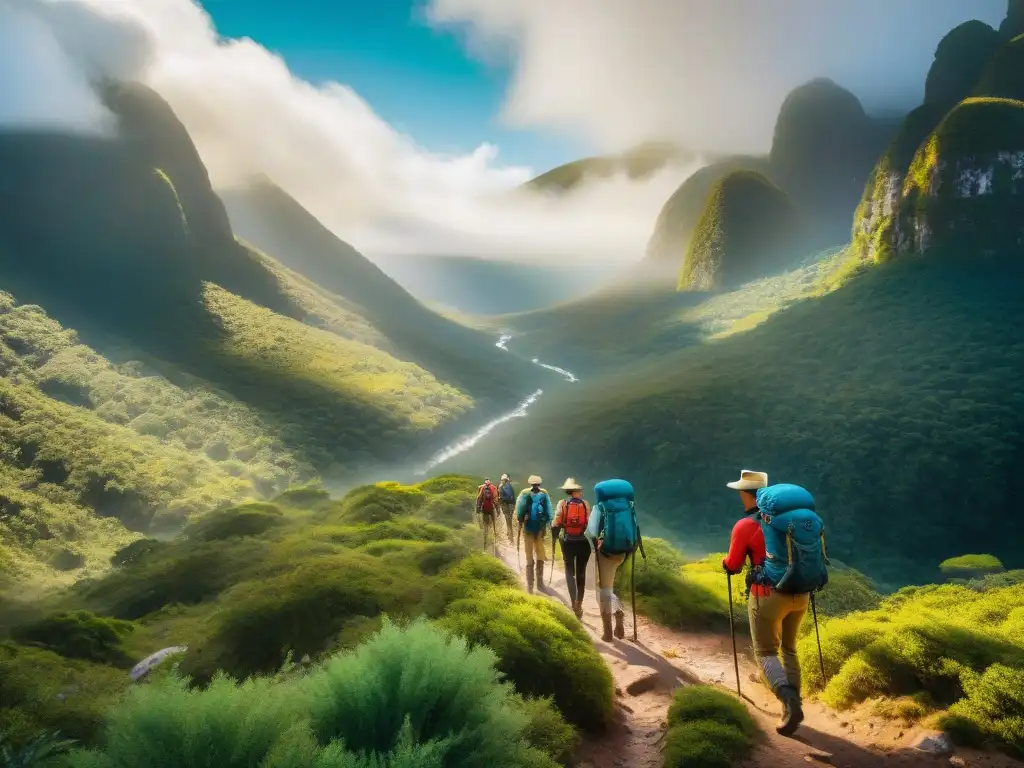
(710, 75)
(623, 71)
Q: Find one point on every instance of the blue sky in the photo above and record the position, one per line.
(417, 78)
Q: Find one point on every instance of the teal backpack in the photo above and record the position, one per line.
(619, 530)
(539, 514)
(794, 539)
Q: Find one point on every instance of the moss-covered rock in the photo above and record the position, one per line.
(748, 227)
(1004, 75)
(679, 216)
(965, 187)
(960, 58)
(882, 194)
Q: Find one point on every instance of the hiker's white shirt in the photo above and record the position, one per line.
(594, 522)
(605, 594)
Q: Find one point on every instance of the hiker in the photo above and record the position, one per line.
(570, 525)
(533, 510)
(778, 520)
(613, 530)
(507, 504)
(487, 507)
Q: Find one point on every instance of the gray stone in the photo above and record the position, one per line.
(936, 743)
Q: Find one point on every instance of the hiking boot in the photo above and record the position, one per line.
(606, 622)
(577, 608)
(620, 631)
(540, 575)
(529, 579)
(792, 710)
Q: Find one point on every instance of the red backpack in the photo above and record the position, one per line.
(574, 518)
(487, 492)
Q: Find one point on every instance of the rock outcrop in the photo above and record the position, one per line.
(1003, 77)
(679, 216)
(749, 227)
(963, 191)
(960, 59)
(1013, 24)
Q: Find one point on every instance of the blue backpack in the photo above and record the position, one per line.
(619, 530)
(507, 493)
(539, 514)
(794, 540)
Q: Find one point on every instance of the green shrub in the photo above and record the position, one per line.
(970, 566)
(250, 519)
(541, 648)
(666, 596)
(165, 723)
(992, 709)
(78, 635)
(135, 551)
(548, 731)
(449, 692)
(303, 498)
(301, 609)
(39, 750)
(377, 503)
(40, 690)
(934, 641)
(707, 728)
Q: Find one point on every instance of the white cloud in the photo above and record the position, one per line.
(373, 186)
(709, 73)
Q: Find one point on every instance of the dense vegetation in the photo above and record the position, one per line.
(252, 588)
(412, 697)
(707, 729)
(749, 227)
(820, 394)
(956, 651)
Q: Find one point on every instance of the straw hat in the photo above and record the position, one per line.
(570, 484)
(504, 477)
(534, 480)
(749, 481)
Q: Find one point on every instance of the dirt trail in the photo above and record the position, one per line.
(647, 672)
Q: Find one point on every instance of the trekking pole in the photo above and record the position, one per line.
(632, 590)
(732, 631)
(817, 635)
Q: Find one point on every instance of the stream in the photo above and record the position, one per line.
(465, 443)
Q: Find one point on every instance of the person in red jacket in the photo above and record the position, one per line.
(774, 618)
(487, 508)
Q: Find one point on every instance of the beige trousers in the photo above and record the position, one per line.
(606, 566)
(774, 626)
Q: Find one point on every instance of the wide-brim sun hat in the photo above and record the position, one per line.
(534, 480)
(749, 481)
(504, 477)
(570, 484)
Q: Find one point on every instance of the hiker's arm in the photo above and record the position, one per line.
(739, 544)
(556, 524)
(521, 507)
(594, 522)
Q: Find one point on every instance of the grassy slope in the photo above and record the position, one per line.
(641, 161)
(896, 399)
(274, 221)
(617, 327)
(304, 574)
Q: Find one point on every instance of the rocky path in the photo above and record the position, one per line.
(648, 671)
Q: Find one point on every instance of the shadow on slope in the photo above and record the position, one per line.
(275, 222)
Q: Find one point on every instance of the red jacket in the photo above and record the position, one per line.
(747, 541)
(480, 497)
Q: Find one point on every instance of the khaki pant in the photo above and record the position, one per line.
(774, 623)
(606, 567)
(508, 509)
(534, 546)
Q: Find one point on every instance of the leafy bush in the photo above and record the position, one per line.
(541, 648)
(36, 752)
(992, 709)
(78, 635)
(944, 645)
(44, 691)
(666, 595)
(970, 566)
(707, 728)
(407, 698)
(379, 503)
(250, 519)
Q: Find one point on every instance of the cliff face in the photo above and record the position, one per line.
(964, 188)
(960, 58)
(1003, 77)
